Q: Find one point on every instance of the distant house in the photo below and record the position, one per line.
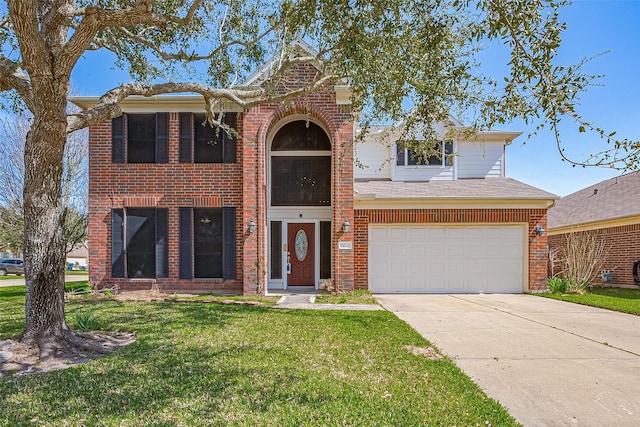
(611, 209)
(282, 205)
(78, 258)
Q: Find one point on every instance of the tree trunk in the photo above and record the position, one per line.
(44, 244)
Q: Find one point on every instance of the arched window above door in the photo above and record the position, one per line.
(301, 165)
(301, 135)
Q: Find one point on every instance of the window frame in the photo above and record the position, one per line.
(190, 142)
(187, 238)
(120, 243)
(403, 159)
(303, 151)
(120, 139)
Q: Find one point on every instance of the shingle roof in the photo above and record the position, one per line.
(615, 198)
(490, 188)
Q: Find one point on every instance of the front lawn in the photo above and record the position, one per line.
(624, 300)
(211, 364)
(355, 297)
(12, 277)
(76, 273)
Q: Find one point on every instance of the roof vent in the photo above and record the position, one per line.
(595, 191)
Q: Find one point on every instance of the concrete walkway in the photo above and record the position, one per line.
(550, 363)
(307, 301)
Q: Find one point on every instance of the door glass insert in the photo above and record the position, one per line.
(276, 249)
(302, 245)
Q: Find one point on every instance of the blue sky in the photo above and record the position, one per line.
(593, 26)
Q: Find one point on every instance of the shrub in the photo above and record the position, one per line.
(579, 260)
(557, 285)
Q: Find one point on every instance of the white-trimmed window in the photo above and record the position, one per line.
(408, 157)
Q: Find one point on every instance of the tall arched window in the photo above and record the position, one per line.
(301, 166)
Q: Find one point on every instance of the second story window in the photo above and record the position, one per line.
(408, 157)
(140, 138)
(201, 143)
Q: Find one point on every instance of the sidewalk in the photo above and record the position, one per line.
(19, 280)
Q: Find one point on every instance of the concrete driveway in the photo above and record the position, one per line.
(550, 363)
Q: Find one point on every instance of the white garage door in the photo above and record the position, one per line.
(442, 259)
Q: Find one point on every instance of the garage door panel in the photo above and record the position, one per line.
(436, 269)
(454, 249)
(455, 233)
(397, 233)
(428, 258)
(436, 250)
(378, 252)
(416, 234)
(416, 268)
(399, 268)
(474, 233)
(397, 250)
(417, 249)
(377, 233)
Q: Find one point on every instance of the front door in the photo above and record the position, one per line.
(301, 254)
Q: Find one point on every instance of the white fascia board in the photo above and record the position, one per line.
(489, 135)
(369, 202)
(152, 104)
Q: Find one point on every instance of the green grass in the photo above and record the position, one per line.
(12, 277)
(619, 299)
(211, 364)
(355, 297)
(265, 300)
(76, 273)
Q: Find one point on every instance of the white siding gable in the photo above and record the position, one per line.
(374, 156)
(480, 159)
(423, 173)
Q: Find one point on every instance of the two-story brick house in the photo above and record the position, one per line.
(280, 205)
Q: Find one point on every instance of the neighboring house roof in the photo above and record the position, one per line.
(461, 190)
(611, 201)
(79, 251)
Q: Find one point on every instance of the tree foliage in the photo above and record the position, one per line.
(392, 53)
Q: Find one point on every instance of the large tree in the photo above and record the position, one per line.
(393, 53)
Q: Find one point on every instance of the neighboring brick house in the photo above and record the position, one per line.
(178, 205)
(609, 209)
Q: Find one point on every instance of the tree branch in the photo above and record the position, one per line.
(108, 108)
(12, 76)
(32, 46)
(95, 18)
(183, 56)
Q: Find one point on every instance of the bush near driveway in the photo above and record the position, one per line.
(210, 364)
(625, 300)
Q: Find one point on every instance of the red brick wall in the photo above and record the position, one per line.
(537, 244)
(163, 185)
(623, 249)
(242, 185)
(260, 123)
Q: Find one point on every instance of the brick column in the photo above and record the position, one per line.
(250, 202)
(538, 259)
(342, 183)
